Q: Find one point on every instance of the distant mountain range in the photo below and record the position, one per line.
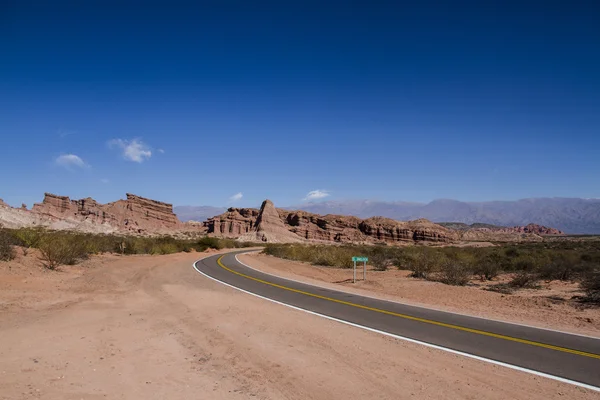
(571, 215)
(197, 213)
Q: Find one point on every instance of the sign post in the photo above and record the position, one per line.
(364, 260)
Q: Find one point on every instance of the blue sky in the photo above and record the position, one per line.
(198, 104)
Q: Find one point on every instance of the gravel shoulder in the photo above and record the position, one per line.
(150, 327)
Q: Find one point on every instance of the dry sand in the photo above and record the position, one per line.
(150, 327)
(547, 307)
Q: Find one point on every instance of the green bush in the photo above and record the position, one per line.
(28, 237)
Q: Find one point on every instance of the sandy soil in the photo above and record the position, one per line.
(547, 307)
(150, 327)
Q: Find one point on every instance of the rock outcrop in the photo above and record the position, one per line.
(277, 225)
(534, 228)
(233, 223)
(135, 214)
(269, 227)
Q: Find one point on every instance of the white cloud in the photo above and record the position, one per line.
(133, 150)
(70, 160)
(64, 133)
(161, 151)
(316, 194)
(236, 197)
(104, 180)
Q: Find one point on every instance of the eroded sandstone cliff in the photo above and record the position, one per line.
(135, 214)
(278, 225)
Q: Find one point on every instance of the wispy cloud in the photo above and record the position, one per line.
(236, 197)
(133, 150)
(316, 194)
(161, 151)
(70, 160)
(104, 180)
(63, 133)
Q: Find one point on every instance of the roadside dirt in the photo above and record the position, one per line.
(151, 327)
(547, 307)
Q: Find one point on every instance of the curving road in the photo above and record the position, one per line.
(558, 355)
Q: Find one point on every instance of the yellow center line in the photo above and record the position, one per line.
(409, 317)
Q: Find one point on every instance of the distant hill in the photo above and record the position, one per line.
(197, 213)
(459, 226)
(571, 215)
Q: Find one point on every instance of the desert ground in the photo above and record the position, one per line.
(150, 327)
(547, 307)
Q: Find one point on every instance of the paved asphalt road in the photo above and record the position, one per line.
(572, 357)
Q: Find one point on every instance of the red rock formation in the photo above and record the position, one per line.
(269, 227)
(233, 223)
(135, 214)
(301, 225)
(535, 228)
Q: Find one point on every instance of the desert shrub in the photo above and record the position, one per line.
(28, 237)
(591, 286)
(214, 243)
(381, 261)
(423, 261)
(7, 252)
(526, 263)
(488, 266)
(452, 272)
(325, 255)
(563, 266)
(511, 252)
(61, 249)
(164, 248)
(524, 280)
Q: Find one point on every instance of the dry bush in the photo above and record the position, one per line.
(591, 286)
(59, 248)
(7, 252)
(525, 280)
(423, 261)
(488, 267)
(455, 273)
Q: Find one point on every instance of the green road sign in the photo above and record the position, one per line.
(362, 259)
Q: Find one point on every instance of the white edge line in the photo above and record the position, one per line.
(433, 346)
(413, 305)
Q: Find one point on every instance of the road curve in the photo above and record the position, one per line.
(565, 356)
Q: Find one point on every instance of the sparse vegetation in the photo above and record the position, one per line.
(591, 286)
(529, 262)
(68, 248)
